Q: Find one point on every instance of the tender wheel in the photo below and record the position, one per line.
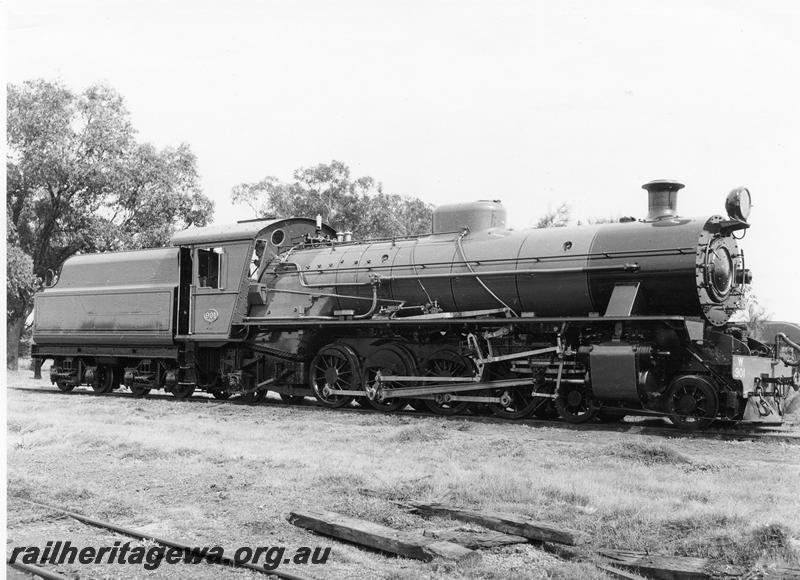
(118, 375)
(255, 398)
(182, 391)
(335, 367)
(691, 402)
(139, 391)
(446, 362)
(389, 360)
(64, 386)
(292, 399)
(105, 379)
(575, 404)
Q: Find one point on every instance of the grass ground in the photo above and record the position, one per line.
(221, 474)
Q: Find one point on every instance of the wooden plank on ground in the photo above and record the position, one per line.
(476, 540)
(660, 567)
(564, 552)
(779, 573)
(379, 537)
(506, 523)
(619, 573)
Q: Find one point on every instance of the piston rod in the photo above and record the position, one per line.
(381, 393)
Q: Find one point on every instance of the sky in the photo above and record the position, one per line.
(531, 102)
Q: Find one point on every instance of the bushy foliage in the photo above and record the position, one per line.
(752, 313)
(78, 181)
(557, 218)
(351, 204)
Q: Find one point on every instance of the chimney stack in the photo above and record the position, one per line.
(662, 198)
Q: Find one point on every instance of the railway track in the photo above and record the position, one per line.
(654, 426)
(187, 550)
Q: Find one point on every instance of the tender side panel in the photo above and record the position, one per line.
(113, 315)
(120, 298)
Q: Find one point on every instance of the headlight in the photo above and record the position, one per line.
(737, 204)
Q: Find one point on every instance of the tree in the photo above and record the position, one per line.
(752, 313)
(78, 181)
(21, 285)
(557, 218)
(596, 221)
(347, 204)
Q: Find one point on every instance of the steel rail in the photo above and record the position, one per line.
(143, 536)
(40, 572)
(749, 432)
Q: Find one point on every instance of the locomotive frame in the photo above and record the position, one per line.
(587, 323)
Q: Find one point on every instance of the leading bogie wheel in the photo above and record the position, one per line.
(335, 368)
(391, 359)
(576, 404)
(691, 402)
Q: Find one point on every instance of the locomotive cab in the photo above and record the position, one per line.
(220, 268)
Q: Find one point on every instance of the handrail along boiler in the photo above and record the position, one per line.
(588, 322)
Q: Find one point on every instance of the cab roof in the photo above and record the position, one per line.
(243, 230)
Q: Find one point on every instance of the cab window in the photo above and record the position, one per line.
(258, 255)
(209, 262)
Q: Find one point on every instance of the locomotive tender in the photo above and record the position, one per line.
(588, 322)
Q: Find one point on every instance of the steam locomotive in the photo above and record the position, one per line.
(593, 322)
